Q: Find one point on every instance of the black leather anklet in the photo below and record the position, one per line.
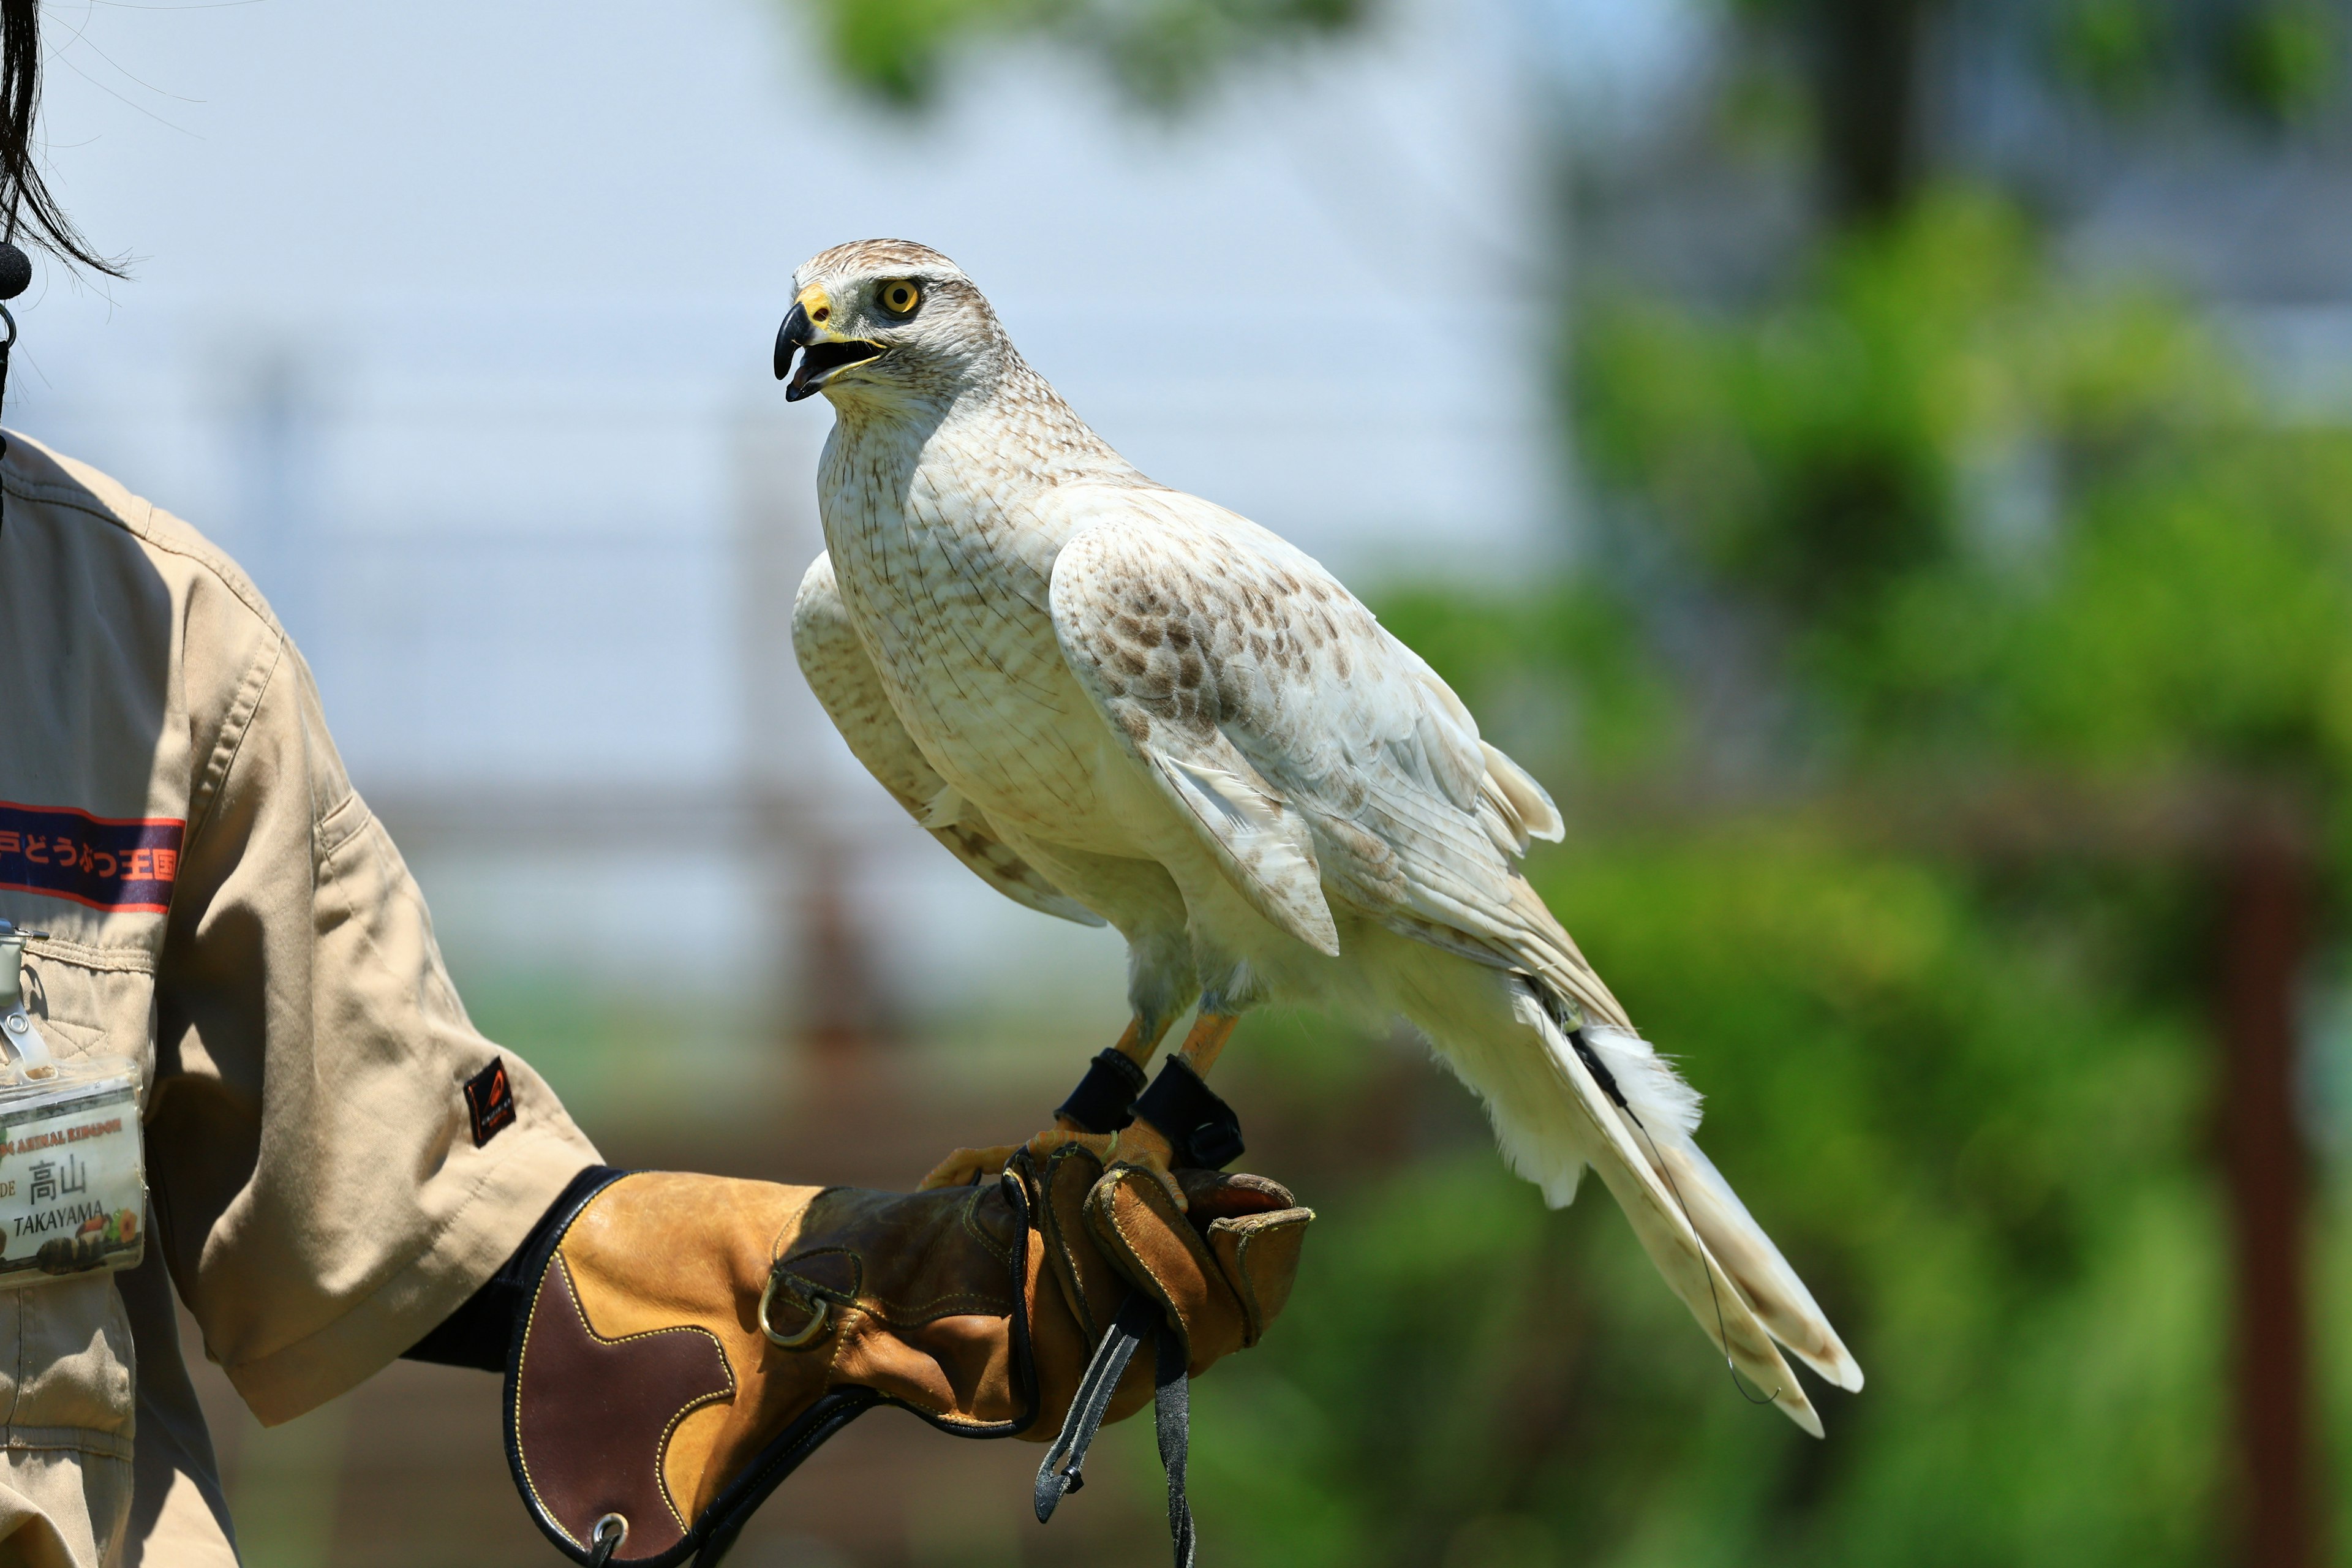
(1104, 1100)
(1205, 1132)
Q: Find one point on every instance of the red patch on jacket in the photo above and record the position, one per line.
(489, 1101)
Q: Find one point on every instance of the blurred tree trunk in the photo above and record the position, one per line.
(1865, 90)
(2268, 879)
(844, 1012)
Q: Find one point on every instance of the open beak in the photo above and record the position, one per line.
(823, 357)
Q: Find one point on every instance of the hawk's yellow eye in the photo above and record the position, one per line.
(899, 297)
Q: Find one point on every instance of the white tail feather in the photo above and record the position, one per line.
(1669, 1111)
(1780, 1300)
(1691, 1270)
(1649, 1083)
(1552, 1119)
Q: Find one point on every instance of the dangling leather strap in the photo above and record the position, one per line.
(1172, 1411)
(1063, 1470)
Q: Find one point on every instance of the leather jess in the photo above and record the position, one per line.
(690, 1340)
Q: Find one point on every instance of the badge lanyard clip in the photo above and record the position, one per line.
(27, 1052)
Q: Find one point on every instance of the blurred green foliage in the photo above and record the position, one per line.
(1982, 516)
(1988, 1171)
(2115, 49)
(1966, 1089)
(2272, 60)
(1162, 51)
(2286, 60)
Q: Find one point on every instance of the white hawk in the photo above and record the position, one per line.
(1116, 701)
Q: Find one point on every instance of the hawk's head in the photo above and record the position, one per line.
(884, 319)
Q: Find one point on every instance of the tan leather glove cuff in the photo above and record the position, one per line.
(690, 1340)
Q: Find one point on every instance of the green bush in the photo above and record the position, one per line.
(1961, 1063)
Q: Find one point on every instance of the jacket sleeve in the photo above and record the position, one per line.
(319, 1186)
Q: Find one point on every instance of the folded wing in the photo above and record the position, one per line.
(1311, 749)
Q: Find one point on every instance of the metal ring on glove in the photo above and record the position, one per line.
(800, 1339)
(602, 1546)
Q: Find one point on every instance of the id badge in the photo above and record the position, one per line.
(73, 1178)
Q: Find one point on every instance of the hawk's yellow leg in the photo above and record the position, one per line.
(1139, 1143)
(966, 1166)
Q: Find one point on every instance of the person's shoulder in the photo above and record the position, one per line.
(86, 508)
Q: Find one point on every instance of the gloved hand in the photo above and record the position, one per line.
(691, 1339)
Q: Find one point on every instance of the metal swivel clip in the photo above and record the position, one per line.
(28, 1053)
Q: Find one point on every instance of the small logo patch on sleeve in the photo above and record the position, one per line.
(489, 1101)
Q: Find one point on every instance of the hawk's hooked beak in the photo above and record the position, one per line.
(826, 355)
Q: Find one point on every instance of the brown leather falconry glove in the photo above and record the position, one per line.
(690, 1340)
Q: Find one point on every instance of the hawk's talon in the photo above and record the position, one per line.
(1139, 1143)
(968, 1167)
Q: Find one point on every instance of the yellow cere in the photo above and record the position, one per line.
(816, 303)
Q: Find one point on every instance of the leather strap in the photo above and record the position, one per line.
(1104, 1100)
(1063, 1471)
(1171, 1416)
(1205, 1132)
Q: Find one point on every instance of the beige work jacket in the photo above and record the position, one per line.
(222, 907)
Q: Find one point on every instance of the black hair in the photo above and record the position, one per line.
(33, 215)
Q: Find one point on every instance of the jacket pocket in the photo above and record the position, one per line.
(70, 1381)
